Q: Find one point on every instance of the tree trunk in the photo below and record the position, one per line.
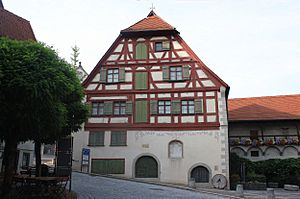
(38, 159)
(10, 151)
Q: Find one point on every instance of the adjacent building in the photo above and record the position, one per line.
(265, 127)
(158, 112)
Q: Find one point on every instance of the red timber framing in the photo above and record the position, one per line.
(202, 83)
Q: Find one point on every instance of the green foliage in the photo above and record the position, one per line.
(41, 96)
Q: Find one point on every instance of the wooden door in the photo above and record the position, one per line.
(146, 167)
(200, 174)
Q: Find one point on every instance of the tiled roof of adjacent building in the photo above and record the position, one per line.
(15, 27)
(151, 23)
(281, 107)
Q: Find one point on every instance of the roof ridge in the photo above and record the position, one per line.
(21, 18)
(268, 96)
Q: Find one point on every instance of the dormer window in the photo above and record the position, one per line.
(162, 46)
(112, 75)
(175, 73)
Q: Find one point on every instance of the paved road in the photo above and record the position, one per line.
(96, 187)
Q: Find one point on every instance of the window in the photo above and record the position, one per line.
(97, 108)
(187, 107)
(119, 108)
(162, 46)
(254, 153)
(164, 107)
(175, 73)
(96, 139)
(49, 149)
(118, 138)
(175, 149)
(25, 159)
(112, 75)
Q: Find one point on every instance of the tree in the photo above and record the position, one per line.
(41, 98)
(75, 55)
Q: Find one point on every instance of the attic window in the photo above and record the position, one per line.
(162, 46)
(112, 75)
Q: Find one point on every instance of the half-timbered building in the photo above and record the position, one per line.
(158, 112)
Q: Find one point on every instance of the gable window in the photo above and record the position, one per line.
(187, 107)
(118, 138)
(97, 108)
(175, 73)
(164, 107)
(175, 149)
(96, 138)
(119, 108)
(162, 46)
(112, 75)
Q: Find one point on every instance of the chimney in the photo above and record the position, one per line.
(1, 5)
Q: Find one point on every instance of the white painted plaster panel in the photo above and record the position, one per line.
(140, 68)
(211, 118)
(151, 86)
(122, 57)
(187, 119)
(207, 83)
(142, 62)
(128, 69)
(175, 119)
(164, 119)
(140, 96)
(200, 118)
(113, 57)
(210, 94)
(180, 85)
(130, 47)
(176, 45)
(140, 39)
(91, 87)
(152, 61)
(98, 120)
(173, 55)
(119, 120)
(163, 95)
(158, 38)
(155, 68)
(131, 62)
(128, 77)
(201, 74)
(158, 55)
(175, 60)
(119, 48)
(197, 66)
(111, 87)
(175, 94)
(109, 98)
(166, 55)
(121, 62)
(157, 76)
(152, 119)
(100, 87)
(190, 85)
(190, 94)
(199, 94)
(152, 95)
(96, 78)
(210, 105)
(164, 61)
(125, 86)
(197, 84)
(151, 56)
(182, 54)
(110, 63)
(164, 85)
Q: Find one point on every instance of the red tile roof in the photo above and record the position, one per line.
(150, 23)
(281, 107)
(15, 27)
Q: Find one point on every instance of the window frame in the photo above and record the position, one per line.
(114, 73)
(177, 74)
(188, 105)
(121, 108)
(118, 133)
(169, 149)
(26, 159)
(94, 144)
(99, 106)
(162, 103)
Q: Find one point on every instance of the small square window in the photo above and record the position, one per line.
(175, 73)
(96, 138)
(112, 75)
(119, 108)
(97, 108)
(162, 46)
(118, 138)
(187, 107)
(164, 107)
(254, 153)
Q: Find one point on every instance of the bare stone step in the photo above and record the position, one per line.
(290, 187)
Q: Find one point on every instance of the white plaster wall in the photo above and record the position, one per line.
(157, 76)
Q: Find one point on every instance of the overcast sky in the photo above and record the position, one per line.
(253, 45)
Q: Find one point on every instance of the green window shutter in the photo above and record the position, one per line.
(99, 166)
(141, 51)
(153, 107)
(108, 108)
(141, 111)
(198, 106)
(128, 110)
(175, 107)
(99, 138)
(185, 72)
(141, 80)
(103, 75)
(121, 74)
(116, 166)
(166, 73)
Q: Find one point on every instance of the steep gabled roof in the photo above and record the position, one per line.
(281, 107)
(151, 23)
(15, 27)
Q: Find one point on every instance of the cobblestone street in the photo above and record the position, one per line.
(96, 187)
